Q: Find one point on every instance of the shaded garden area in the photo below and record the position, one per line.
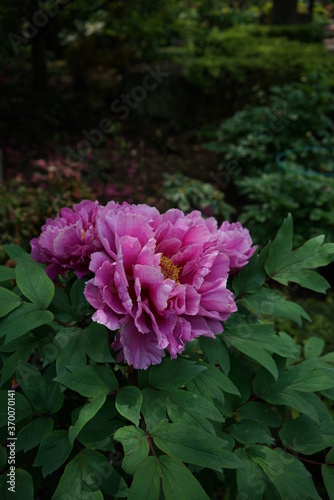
(221, 106)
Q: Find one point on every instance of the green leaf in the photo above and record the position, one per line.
(286, 266)
(177, 481)
(192, 445)
(34, 283)
(249, 347)
(135, 445)
(173, 373)
(248, 432)
(216, 350)
(22, 353)
(8, 301)
(146, 481)
(24, 486)
(44, 397)
(153, 408)
(86, 413)
(305, 278)
(53, 451)
(302, 402)
(24, 318)
(114, 485)
(82, 477)
(85, 380)
(309, 376)
(251, 277)
(22, 407)
(108, 376)
(212, 384)
(280, 247)
(296, 386)
(128, 403)
(32, 434)
(313, 347)
(305, 436)
(54, 397)
(259, 341)
(250, 480)
(78, 298)
(96, 343)
(6, 273)
(69, 348)
(328, 477)
(330, 457)
(271, 303)
(98, 431)
(260, 413)
(61, 307)
(17, 253)
(182, 402)
(287, 473)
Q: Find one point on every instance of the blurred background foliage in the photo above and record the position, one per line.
(241, 126)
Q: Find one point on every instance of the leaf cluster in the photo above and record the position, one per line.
(241, 414)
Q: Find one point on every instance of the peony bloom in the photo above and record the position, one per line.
(67, 241)
(237, 243)
(158, 279)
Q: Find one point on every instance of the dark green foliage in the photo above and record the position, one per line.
(283, 149)
(24, 208)
(297, 117)
(232, 62)
(239, 414)
(190, 194)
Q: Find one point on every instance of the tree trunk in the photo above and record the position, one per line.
(39, 62)
(310, 7)
(284, 12)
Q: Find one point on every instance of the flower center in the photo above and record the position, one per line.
(169, 270)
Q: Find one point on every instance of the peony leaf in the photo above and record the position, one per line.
(34, 283)
(84, 380)
(24, 318)
(135, 445)
(176, 481)
(8, 301)
(128, 403)
(86, 413)
(32, 434)
(53, 451)
(173, 373)
(192, 445)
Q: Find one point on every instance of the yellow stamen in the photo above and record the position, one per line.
(169, 270)
(83, 234)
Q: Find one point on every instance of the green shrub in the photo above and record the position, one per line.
(269, 195)
(292, 117)
(305, 33)
(241, 415)
(192, 194)
(231, 62)
(24, 208)
(284, 150)
(322, 314)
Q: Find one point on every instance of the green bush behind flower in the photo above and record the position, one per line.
(284, 151)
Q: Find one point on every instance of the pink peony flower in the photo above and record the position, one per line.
(159, 279)
(237, 243)
(67, 241)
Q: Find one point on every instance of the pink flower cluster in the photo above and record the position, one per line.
(68, 241)
(158, 279)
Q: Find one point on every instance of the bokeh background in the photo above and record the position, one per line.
(224, 106)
